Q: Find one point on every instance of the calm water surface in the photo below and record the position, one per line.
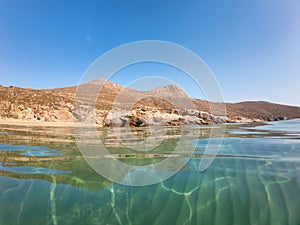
(255, 179)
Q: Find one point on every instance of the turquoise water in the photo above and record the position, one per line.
(255, 179)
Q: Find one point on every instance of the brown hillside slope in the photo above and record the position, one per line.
(57, 104)
(262, 110)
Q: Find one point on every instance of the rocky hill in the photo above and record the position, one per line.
(118, 105)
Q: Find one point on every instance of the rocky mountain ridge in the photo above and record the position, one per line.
(117, 106)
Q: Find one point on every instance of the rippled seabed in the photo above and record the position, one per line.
(255, 179)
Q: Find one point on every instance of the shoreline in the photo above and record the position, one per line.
(17, 122)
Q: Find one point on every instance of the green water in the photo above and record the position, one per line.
(255, 179)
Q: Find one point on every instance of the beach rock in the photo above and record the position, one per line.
(280, 118)
(140, 118)
(116, 119)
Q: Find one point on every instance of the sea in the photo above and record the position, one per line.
(252, 176)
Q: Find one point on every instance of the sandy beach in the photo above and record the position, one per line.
(17, 122)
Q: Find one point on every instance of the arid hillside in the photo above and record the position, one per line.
(168, 103)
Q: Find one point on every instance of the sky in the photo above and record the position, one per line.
(251, 46)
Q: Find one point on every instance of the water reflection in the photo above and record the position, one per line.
(37, 153)
(254, 180)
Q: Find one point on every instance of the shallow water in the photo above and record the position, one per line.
(255, 179)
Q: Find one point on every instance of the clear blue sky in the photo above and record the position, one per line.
(252, 46)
